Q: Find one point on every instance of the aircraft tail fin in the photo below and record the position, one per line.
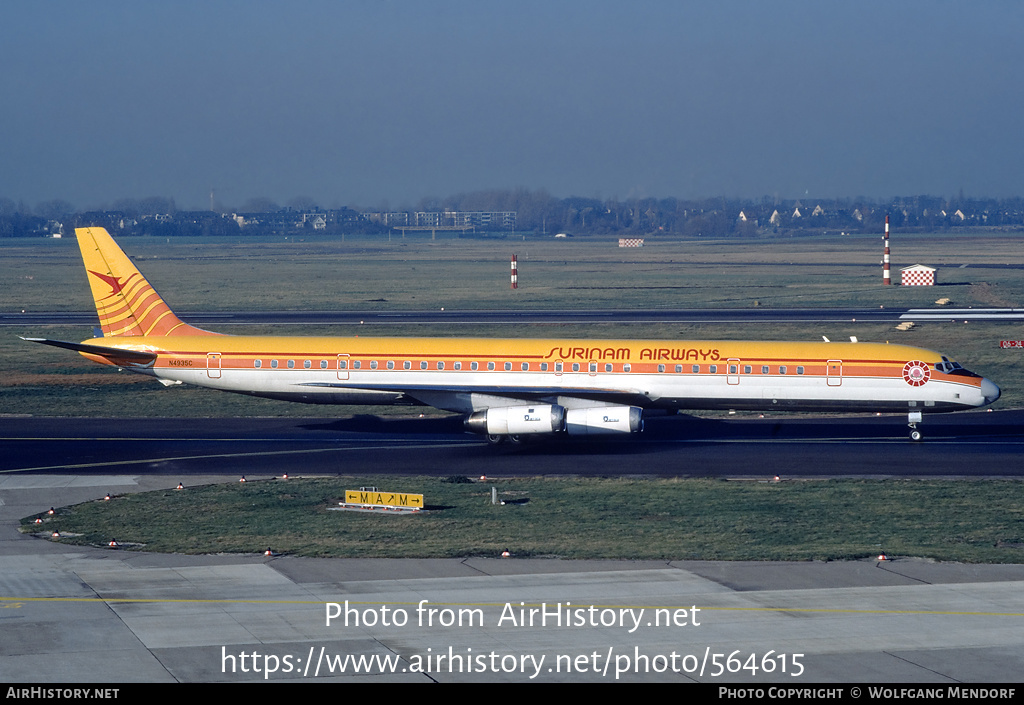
(126, 303)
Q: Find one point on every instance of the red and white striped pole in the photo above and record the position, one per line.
(515, 274)
(885, 257)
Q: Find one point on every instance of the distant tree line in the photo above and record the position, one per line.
(537, 212)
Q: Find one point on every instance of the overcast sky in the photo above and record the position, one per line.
(386, 102)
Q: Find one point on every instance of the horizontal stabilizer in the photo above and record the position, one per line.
(113, 354)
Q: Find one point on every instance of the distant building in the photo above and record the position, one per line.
(317, 220)
(506, 220)
(392, 218)
(428, 219)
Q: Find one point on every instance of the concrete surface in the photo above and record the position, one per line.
(75, 615)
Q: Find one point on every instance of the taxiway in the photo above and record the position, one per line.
(79, 615)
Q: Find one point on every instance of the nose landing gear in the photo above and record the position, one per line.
(913, 419)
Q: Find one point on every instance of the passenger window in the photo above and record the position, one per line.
(800, 369)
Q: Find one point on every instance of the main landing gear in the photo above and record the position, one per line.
(497, 439)
(913, 419)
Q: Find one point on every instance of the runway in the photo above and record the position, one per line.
(77, 615)
(466, 317)
(968, 444)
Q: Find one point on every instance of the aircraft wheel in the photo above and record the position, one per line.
(915, 435)
(495, 439)
(517, 440)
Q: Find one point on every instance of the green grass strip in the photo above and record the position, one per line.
(974, 521)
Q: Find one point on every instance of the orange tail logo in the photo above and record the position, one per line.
(125, 301)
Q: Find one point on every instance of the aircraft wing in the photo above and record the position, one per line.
(461, 397)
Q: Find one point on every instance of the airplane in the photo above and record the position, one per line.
(511, 388)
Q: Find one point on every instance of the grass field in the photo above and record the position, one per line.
(417, 273)
(422, 274)
(614, 518)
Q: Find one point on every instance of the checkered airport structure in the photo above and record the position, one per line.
(918, 275)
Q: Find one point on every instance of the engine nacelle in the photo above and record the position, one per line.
(599, 420)
(517, 420)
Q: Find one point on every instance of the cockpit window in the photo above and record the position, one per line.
(952, 368)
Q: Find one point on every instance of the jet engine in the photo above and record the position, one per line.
(601, 420)
(517, 420)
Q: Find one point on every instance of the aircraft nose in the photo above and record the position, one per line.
(989, 390)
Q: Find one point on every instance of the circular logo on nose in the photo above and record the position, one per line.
(916, 373)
